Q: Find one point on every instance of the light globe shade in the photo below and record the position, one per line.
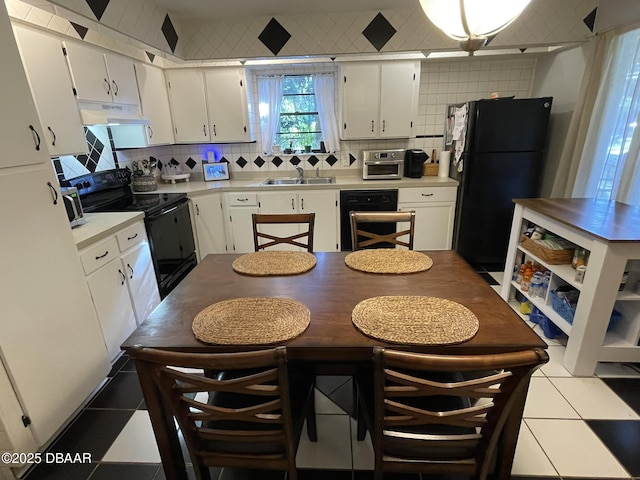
(484, 17)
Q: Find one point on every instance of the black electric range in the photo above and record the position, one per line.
(167, 220)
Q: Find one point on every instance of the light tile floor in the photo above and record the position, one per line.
(572, 427)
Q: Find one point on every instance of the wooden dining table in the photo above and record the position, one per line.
(331, 344)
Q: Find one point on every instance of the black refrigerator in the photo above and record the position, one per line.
(497, 149)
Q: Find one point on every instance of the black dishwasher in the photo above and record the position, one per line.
(366, 201)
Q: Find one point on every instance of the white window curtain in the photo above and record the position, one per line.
(269, 103)
(323, 86)
(601, 154)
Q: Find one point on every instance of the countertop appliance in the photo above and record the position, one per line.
(414, 163)
(73, 205)
(167, 221)
(497, 152)
(382, 164)
(366, 201)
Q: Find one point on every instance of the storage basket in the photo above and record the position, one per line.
(430, 169)
(549, 328)
(551, 256)
(144, 183)
(567, 312)
(561, 307)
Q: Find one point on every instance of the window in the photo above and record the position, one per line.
(299, 127)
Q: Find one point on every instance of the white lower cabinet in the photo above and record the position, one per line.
(122, 282)
(435, 210)
(324, 203)
(239, 208)
(209, 224)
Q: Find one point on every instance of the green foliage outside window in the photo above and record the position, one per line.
(299, 123)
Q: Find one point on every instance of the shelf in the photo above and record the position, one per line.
(628, 296)
(564, 271)
(555, 317)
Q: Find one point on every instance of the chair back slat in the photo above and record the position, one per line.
(263, 240)
(365, 239)
(444, 413)
(233, 409)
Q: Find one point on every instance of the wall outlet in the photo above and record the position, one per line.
(210, 157)
(344, 161)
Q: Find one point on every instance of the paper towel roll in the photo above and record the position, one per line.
(443, 169)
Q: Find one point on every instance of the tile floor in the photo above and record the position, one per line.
(573, 427)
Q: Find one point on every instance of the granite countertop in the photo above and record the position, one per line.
(101, 225)
(198, 187)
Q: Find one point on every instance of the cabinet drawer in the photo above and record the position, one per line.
(131, 236)
(98, 255)
(243, 199)
(427, 194)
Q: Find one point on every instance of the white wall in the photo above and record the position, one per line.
(559, 76)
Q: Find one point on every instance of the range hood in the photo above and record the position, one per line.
(111, 114)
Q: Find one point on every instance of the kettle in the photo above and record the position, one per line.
(413, 163)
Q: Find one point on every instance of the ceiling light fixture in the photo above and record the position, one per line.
(472, 22)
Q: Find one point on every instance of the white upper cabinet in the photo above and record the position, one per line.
(155, 104)
(20, 129)
(188, 105)
(52, 91)
(155, 108)
(227, 104)
(102, 77)
(379, 100)
(209, 105)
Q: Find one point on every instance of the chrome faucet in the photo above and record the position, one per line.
(300, 173)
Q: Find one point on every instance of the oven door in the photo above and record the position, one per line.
(172, 245)
(382, 169)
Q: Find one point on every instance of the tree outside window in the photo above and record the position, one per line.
(299, 122)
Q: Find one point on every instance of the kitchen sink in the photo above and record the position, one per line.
(298, 181)
(281, 181)
(319, 180)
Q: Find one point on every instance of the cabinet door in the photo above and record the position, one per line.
(325, 205)
(242, 228)
(360, 100)
(111, 299)
(434, 225)
(141, 280)
(155, 104)
(52, 91)
(188, 105)
(279, 202)
(227, 104)
(19, 123)
(397, 100)
(124, 88)
(89, 73)
(209, 223)
(49, 325)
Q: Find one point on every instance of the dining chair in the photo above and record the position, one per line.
(442, 413)
(307, 219)
(234, 409)
(362, 238)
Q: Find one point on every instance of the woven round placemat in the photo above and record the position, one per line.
(415, 320)
(274, 263)
(251, 321)
(388, 260)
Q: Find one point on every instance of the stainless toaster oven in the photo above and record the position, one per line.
(73, 206)
(382, 164)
